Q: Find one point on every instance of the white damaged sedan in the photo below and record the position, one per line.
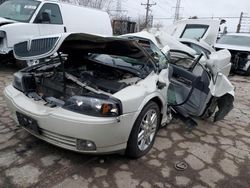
(108, 94)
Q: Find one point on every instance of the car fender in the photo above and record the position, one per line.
(146, 100)
(135, 97)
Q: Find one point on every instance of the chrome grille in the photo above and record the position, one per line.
(37, 47)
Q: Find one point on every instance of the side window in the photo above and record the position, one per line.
(49, 14)
(155, 52)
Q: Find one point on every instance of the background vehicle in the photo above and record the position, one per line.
(21, 20)
(188, 38)
(202, 30)
(239, 47)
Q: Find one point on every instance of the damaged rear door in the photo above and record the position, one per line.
(190, 91)
(189, 88)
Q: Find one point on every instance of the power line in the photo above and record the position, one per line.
(148, 6)
(118, 10)
(208, 17)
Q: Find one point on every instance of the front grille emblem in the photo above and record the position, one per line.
(29, 42)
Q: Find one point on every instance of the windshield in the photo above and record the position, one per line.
(235, 40)
(18, 10)
(155, 53)
(123, 61)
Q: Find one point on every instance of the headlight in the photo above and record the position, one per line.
(17, 83)
(24, 82)
(2, 34)
(100, 106)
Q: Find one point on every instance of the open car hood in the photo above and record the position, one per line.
(199, 29)
(43, 47)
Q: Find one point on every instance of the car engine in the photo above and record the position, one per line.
(64, 82)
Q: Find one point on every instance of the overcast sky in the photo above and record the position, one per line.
(200, 8)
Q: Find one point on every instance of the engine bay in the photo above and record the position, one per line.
(62, 81)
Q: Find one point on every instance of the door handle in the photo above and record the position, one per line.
(184, 80)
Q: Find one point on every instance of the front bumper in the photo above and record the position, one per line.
(62, 127)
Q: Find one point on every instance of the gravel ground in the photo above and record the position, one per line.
(217, 154)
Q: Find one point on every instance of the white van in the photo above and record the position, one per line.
(21, 20)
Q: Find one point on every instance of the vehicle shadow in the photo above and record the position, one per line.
(8, 67)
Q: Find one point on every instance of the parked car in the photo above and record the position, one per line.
(23, 19)
(205, 30)
(110, 94)
(239, 46)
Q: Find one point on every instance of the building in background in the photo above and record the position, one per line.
(123, 26)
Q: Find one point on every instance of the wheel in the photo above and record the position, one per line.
(143, 134)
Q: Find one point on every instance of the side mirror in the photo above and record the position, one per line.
(45, 17)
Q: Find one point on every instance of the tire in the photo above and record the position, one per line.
(137, 147)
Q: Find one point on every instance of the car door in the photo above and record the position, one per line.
(49, 20)
(189, 92)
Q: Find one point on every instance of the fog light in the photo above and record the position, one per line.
(85, 145)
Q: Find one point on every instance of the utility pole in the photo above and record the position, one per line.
(239, 25)
(177, 10)
(118, 8)
(117, 13)
(148, 6)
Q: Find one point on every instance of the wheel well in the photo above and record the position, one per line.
(158, 102)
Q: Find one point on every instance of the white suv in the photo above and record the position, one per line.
(21, 20)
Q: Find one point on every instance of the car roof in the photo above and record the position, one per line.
(72, 3)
